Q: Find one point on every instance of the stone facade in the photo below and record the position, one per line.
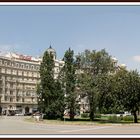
(19, 75)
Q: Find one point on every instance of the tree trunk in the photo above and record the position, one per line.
(92, 108)
(135, 117)
(71, 115)
(91, 115)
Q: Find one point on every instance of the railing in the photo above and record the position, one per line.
(20, 102)
(27, 81)
(10, 80)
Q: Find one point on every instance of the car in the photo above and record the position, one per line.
(28, 114)
(123, 114)
(19, 114)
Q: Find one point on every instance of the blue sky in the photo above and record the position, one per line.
(31, 29)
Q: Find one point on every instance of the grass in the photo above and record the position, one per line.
(80, 121)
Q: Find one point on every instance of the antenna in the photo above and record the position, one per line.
(50, 45)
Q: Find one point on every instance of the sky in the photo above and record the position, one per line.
(31, 29)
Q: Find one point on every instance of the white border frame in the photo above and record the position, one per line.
(69, 4)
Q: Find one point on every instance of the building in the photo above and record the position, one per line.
(19, 75)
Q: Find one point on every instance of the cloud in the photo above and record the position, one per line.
(7, 47)
(136, 58)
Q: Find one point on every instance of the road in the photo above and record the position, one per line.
(17, 125)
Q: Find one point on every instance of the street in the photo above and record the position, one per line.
(17, 125)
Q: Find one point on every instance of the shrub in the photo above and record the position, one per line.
(138, 117)
(114, 119)
(45, 117)
(128, 118)
(85, 115)
(97, 115)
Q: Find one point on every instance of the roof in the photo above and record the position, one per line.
(50, 49)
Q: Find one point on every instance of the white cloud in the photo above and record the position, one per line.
(8, 47)
(136, 58)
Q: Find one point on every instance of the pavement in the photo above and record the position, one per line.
(17, 125)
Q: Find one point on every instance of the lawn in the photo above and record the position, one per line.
(86, 121)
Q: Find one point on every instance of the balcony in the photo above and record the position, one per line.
(11, 80)
(11, 95)
(10, 88)
(27, 81)
(20, 102)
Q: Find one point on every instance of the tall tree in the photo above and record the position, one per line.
(107, 99)
(69, 80)
(92, 64)
(128, 91)
(49, 90)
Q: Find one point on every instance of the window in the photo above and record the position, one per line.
(11, 99)
(27, 66)
(22, 66)
(17, 99)
(11, 85)
(8, 71)
(32, 99)
(5, 98)
(5, 63)
(0, 62)
(27, 94)
(14, 72)
(11, 92)
(12, 64)
(32, 67)
(22, 99)
(9, 63)
(37, 68)
(17, 65)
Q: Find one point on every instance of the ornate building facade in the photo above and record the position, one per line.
(19, 75)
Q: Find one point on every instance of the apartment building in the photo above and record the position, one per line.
(19, 75)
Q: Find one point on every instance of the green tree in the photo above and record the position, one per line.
(69, 82)
(50, 91)
(92, 64)
(128, 91)
(107, 99)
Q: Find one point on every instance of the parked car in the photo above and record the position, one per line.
(19, 114)
(123, 114)
(28, 114)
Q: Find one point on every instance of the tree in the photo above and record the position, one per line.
(92, 64)
(50, 91)
(69, 80)
(107, 99)
(128, 91)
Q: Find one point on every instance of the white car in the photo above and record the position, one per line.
(19, 114)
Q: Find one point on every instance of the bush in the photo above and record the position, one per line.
(85, 115)
(45, 117)
(114, 119)
(138, 117)
(128, 118)
(97, 115)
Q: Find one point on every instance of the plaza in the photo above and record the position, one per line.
(18, 125)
